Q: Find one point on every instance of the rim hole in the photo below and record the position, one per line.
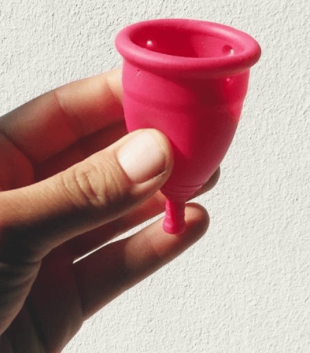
(149, 44)
(228, 50)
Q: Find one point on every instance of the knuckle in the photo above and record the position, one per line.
(92, 183)
(79, 183)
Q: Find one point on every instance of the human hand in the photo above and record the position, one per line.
(71, 180)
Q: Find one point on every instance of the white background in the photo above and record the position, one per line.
(245, 286)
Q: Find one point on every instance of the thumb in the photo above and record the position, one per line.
(106, 185)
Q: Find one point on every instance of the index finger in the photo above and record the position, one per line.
(52, 122)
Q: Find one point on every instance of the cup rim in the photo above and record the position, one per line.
(205, 66)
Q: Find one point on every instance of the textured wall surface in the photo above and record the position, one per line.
(245, 286)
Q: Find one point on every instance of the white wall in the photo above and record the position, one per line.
(245, 287)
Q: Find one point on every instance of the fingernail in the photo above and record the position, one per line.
(143, 157)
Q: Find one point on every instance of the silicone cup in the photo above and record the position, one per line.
(188, 79)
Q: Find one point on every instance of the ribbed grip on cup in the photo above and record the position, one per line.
(174, 222)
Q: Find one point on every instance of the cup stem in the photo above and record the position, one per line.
(174, 222)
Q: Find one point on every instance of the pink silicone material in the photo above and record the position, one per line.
(174, 222)
(188, 79)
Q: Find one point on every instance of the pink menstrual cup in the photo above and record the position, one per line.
(188, 79)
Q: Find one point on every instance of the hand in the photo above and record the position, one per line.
(71, 180)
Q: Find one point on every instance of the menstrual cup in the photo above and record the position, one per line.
(188, 79)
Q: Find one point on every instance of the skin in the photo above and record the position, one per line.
(54, 141)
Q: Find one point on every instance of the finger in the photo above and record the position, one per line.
(50, 123)
(90, 241)
(79, 151)
(102, 188)
(85, 243)
(110, 271)
(209, 184)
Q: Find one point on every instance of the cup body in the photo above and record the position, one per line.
(199, 116)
